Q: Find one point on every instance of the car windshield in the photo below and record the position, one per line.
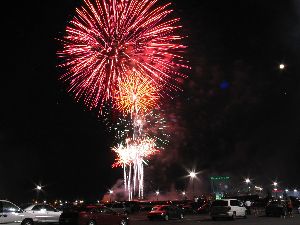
(220, 203)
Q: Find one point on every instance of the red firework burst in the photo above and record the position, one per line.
(108, 38)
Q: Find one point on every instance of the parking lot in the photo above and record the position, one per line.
(140, 219)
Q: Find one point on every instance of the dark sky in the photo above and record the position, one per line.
(238, 113)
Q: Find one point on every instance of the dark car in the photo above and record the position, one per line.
(276, 208)
(165, 212)
(91, 215)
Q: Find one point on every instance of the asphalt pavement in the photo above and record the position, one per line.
(141, 219)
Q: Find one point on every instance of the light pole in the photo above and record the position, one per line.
(248, 182)
(275, 184)
(110, 193)
(38, 189)
(193, 175)
(157, 193)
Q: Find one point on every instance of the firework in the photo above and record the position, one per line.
(134, 150)
(137, 95)
(107, 39)
(131, 157)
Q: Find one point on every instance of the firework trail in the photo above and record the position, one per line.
(107, 39)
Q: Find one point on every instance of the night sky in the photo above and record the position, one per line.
(238, 114)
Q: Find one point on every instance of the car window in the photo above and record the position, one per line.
(8, 207)
(49, 208)
(234, 203)
(1, 210)
(220, 203)
(37, 207)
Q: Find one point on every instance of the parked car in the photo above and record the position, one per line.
(227, 208)
(276, 208)
(165, 212)
(12, 214)
(92, 215)
(44, 213)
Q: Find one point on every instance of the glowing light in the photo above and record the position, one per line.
(111, 191)
(247, 181)
(38, 187)
(107, 39)
(192, 174)
(275, 184)
(157, 192)
(282, 66)
(295, 190)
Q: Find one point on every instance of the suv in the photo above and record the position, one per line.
(12, 214)
(230, 208)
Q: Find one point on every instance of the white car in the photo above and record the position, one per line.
(10, 214)
(231, 208)
(44, 213)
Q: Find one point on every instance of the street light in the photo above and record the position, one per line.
(193, 175)
(157, 193)
(281, 66)
(275, 184)
(247, 181)
(110, 193)
(38, 189)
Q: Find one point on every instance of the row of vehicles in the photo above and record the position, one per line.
(11, 214)
(116, 213)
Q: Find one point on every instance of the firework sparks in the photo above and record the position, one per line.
(107, 39)
(134, 151)
(131, 157)
(137, 95)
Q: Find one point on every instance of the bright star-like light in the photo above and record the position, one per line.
(282, 66)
